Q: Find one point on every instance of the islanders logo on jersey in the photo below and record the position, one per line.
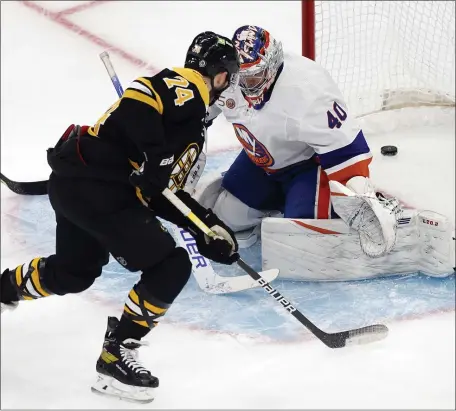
(256, 151)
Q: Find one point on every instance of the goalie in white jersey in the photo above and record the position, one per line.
(302, 156)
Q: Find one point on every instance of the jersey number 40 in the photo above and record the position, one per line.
(334, 121)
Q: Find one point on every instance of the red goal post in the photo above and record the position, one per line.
(308, 28)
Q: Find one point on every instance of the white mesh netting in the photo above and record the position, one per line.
(388, 54)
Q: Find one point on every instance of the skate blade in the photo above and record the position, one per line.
(110, 387)
(8, 307)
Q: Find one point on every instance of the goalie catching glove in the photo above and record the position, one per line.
(369, 213)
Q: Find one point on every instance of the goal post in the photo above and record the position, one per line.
(308, 28)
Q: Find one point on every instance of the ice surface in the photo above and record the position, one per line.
(334, 306)
(49, 349)
(233, 351)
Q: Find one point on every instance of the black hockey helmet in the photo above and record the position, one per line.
(211, 54)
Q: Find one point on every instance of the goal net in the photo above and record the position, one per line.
(384, 54)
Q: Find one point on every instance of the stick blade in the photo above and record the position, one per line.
(225, 285)
(367, 335)
(33, 188)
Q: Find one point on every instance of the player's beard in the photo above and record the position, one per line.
(215, 93)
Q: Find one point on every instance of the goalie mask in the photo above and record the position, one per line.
(261, 57)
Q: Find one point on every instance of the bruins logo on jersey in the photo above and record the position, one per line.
(182, 167)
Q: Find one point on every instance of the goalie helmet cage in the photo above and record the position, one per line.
(384, 55)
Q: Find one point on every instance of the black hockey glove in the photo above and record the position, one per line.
(222, 249)
(153, 176)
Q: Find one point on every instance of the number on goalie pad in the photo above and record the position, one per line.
(328, 250)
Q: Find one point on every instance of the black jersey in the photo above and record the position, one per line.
(157, 116)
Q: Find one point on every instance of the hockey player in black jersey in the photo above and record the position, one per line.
(106, 190)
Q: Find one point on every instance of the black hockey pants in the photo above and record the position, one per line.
(95, 218)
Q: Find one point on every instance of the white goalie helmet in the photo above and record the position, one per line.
(261, 57)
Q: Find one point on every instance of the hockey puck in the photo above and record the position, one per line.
(389, 150)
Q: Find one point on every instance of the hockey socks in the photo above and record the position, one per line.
(141, 313)
(24, 282)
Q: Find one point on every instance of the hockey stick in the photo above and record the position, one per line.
(207, 279)
(40, 187)
(33, 188)
(362, 335)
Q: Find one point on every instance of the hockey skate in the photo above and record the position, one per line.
(120, 375)
(9, 306)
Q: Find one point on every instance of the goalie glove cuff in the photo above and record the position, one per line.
(373, 217)
(361, 185)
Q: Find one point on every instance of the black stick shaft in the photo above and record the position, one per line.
(332, 340)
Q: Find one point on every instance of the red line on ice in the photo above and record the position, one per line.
(58, 18)
(93, 38)
(81, 7)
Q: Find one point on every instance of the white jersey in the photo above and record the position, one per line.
(305, 115)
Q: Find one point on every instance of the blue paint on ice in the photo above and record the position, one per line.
(332, 306)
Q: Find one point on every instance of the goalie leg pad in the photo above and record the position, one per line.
(328, 250)
(437, 243)
(242, 219)
(232, 211)
(207, 194)
(237, 215)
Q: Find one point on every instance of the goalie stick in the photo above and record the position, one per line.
(340, 339)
